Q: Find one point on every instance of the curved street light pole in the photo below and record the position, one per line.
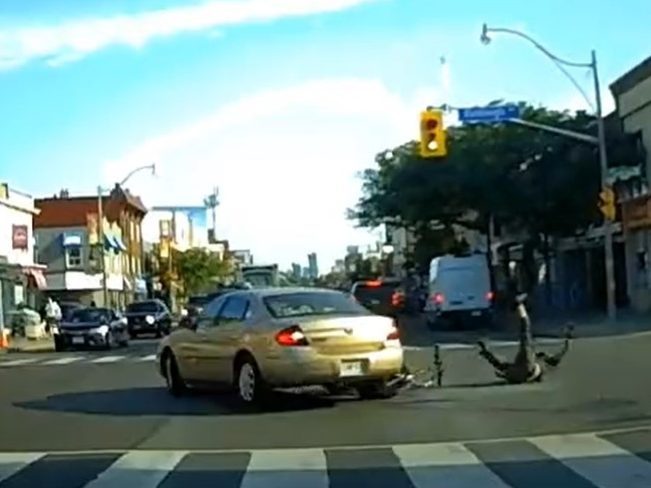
(603, 156)
(100, 226)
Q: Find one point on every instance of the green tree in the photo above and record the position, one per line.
(198, 269)
(544, 184)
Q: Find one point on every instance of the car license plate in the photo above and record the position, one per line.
(350, 368)
(77, 340)
(476, 313)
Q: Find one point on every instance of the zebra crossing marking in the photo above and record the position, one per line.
(286, 468)
(18, 362)
(13, 462)
(63, 360)
(603, 463)
(144, 469)
(108, 359)
(451, 464)
(588, 460)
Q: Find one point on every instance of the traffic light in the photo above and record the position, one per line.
(607, 203)
(432, 134)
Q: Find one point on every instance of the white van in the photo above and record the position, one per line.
(459, 288)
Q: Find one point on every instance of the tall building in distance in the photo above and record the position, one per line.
(296, 271)
(312, 265)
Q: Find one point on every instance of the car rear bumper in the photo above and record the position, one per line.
(299, 366)
(80, 339)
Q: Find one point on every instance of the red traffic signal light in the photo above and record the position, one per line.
(431, 124)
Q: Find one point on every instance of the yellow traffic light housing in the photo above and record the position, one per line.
(607, 203)
(433, 139)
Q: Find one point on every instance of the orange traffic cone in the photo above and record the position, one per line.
(4, 339)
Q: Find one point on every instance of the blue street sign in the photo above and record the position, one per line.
(499, 113)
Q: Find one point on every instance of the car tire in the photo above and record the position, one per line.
(247, 382)
(173, 379)
(133, 335)
(124, 342)
(376, 390)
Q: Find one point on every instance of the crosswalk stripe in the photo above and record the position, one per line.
(448, 465)
(64, 360)
(287, 468)
(149, 357)
(144, 469)
(107, 359)
(12, 462)
(599, 461)
(18, 362)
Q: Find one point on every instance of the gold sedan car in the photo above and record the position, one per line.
(256, 340)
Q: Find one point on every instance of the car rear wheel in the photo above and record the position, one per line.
(376, 390)
(173, 380)
(249, 384)
(109, 341)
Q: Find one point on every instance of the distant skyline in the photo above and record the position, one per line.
(279, 103)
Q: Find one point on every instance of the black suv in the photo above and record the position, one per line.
(148, 316)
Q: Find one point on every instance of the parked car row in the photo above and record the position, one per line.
(107, 328)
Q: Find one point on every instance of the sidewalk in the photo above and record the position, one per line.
(22, 344)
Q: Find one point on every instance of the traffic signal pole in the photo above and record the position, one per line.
(607, 224)
(601, 142)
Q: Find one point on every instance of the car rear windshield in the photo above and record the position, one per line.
(142, 307)
(381, 292)
(88, 314)
(311, 303)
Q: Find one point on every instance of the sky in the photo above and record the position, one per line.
(278, 103)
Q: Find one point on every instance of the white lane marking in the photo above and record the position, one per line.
(149, 357)
(286, 468)
(12, 462)
(144, 469)
(18, 362)
(107, 359)
(449, 465)
(601, 462)
(64, 360)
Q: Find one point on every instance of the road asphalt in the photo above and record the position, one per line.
(96, 402)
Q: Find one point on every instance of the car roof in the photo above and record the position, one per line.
(266, 292)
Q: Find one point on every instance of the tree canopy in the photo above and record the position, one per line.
(198, 269)
(533, 181)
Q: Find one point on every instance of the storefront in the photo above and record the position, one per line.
(21, 279)
(636, 216)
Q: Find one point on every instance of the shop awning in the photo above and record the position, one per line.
(71, 239)
(119, 243)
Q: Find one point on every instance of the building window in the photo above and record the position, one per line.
(73, 257)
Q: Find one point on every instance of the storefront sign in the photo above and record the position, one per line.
(637, 213)
(20, 237)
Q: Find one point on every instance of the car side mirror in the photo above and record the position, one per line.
(124, 321)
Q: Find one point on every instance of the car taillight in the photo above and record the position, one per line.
(291, 336)
(394, 335)
(438, 298)
(489, 296)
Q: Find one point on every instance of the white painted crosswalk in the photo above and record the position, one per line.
(613, 460)
(52, 360)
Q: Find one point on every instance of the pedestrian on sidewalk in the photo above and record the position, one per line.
(52, 315)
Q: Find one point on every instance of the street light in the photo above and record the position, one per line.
(100, 224)
(601, 136)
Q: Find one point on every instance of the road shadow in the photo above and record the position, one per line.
(155, 401)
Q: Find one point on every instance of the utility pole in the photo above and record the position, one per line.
(601, 142)
(607, 224)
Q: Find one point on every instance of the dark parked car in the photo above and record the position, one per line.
(197, 303)
(147, 317)
(383, 297)
(91, 327)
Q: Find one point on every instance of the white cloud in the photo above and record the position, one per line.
(285, 161)
(68, 41)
